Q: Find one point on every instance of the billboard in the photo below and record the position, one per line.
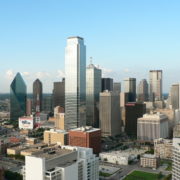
(26, 123)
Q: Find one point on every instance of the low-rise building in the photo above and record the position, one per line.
(26, 122)
(55, 136)
(149, 160)
(64, 163)
(163, 148)
(121, 157)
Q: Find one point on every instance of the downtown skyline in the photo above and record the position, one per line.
(126, 39)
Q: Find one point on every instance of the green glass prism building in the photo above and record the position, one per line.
(18, 95)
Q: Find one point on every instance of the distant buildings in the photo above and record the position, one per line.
(175, 96)
(133, 112)
(93, 88)
(18, 95)
(117, 87)
(65, 163)
(86, 137)
(47, 103)
(143, 94)
(109, 114)
(75, 86)
(59, 94)
(163, 148)
(130, 88)
(155, 84)
(107, 84)
(176, 159)
(152, 126)
(28, 107)
(37, 95)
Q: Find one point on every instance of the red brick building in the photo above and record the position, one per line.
(86, 137)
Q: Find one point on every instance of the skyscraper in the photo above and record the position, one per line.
(143, 91)
(155, 85)
(130, 87)
(107, 84)
(59, 94)
(174, 93)
(75, 86)
(37, 95)
(18, 95)
(109, 113)
(117, 87)
(93, 88)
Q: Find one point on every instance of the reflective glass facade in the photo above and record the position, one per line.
(93, 88)
(18, 94)
(75, 86)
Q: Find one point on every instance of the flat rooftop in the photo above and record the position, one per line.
(52, 153)
(87, 129)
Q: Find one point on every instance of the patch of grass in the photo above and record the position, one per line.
(104, 174)
(140, 175)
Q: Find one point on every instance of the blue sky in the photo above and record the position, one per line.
(126, 38)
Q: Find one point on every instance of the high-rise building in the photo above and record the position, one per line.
(86, 137)
(75, 86)
(18, 95)
(109, 114)
(37, 95)
(130, 88)
(155, 85)
(47, 103)
(59, 94)
(62, 162)
(176, 159)
(107, 84)
(132, 113)
(142, 94)
(152, 126)
(93, 88)
(28, 107)
(175, 96)
(117, 87)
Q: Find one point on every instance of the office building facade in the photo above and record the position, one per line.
(75, 86)
(93, 88)
(155, 85)
(142, 94)
(107, 84)
(130, 88)
(18, 98)
(109, 114)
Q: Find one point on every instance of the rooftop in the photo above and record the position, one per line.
(86, 129)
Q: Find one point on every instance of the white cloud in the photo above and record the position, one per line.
(26, 73)
(9, 74)
(42, 75)
(60, 74)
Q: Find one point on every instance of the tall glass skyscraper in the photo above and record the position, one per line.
(18, 94)
(75, 86)
(93, 89)
(155, 85)
(130, 88)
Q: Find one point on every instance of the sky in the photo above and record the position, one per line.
(126, 38)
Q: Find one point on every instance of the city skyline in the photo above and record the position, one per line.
(127, 39)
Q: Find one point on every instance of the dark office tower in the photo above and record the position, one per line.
(117, 87)
(130, 87)
(18, 94)
(133, 112)
(59, 94)
(37, 95)
(155, 85)
(142, 91)
(47, 103)
(28, 107)
(107, 84)
(175, 99)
